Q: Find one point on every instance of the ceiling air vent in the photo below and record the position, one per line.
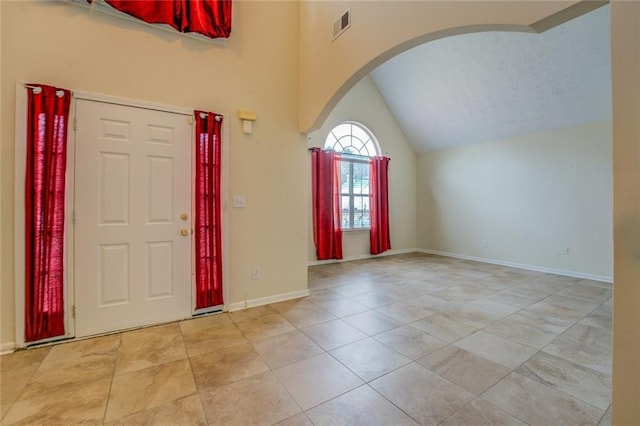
(342, 24)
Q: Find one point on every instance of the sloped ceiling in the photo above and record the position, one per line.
(491, 86)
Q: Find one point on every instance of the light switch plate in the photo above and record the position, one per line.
(238, 201)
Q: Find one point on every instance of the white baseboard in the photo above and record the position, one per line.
(361, 257)
(7, 348)
(535, 268)
(238, 306)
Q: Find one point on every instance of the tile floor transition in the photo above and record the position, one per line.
(398, 340)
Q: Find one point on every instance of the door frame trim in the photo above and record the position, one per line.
(19, 207)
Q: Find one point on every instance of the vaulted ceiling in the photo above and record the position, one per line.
(491, 86)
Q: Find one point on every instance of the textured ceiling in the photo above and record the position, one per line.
(482, 87)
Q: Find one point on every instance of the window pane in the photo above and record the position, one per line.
(361, 212)
(358, 147)
(330, 141)
(358, 132)
(360, 178)
(345, 212)
(344, 177)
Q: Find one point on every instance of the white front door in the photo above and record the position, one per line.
(132, 235)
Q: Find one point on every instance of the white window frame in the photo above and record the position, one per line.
(351, 159)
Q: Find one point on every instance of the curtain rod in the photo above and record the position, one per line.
(204, 115)
(342, 153)
(37, 90)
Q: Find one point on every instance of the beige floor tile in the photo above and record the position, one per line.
(372, 322)
(584, 345)
(606, 418)
(497, 284)
(528, 328)
(465, 369)
(581, 382)
(251, 313)
(550, 286)
(356, 289)
(427, 286)
(563, 306)
(537, 404)
(405, 312)
(361, 406)
(463, 293)
(304, 314)
(265, 326)
(297, 420)
(410, 341)
(431, 303)
(479, 313)
(205, 340)
(104, 346)
(218, 368)
(82, 403)
(423, 395)
(518, 296)
(148, 347)
(72, 363)
(323, 296)
(601, 317)
(375, 299)
(52, 375)
(369, 359)
(286, 348)
(4, 407)
(443, 328)
(481, 413)
(149, 388)
(316, 380)
(16, 370)
(403, 291)
(333, 334)
(343, 307)
(207, 322)
(23, 359)
(185, 411)
(496, 349)
(588, 292)
(259, 400)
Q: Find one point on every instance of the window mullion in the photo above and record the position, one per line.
(351, 201)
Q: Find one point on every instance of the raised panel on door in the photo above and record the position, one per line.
(133, 183)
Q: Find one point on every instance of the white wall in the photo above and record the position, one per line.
(60, 44)
(530, 198)
(381, 29)
(363, 103)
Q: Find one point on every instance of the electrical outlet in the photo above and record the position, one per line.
(485, 244)
(255, 273)
(565, 251)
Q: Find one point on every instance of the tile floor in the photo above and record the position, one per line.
(399, 340)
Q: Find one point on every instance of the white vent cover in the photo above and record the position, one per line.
(342, 24)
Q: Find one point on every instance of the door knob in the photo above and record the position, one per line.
(184, 232)
(184, 216)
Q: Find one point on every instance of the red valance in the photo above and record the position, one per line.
(211, 18)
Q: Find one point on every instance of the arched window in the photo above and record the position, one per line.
(357, 144)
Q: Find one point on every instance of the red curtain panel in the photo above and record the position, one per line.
(208, 237)
(47, 118)
(211, 18)
(379, 233)
(325, 178)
